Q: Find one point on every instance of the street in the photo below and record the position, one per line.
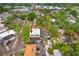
(42, 49)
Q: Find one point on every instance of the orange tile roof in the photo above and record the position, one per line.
(30, 50)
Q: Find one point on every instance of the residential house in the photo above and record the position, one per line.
(71, 19)
(34, 35)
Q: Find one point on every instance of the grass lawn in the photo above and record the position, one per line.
(25, 35)
(16, 27)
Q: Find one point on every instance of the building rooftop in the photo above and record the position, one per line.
(61, 31)
(30, 50)
(53, 20)
(21, 10)
(35, 32)
(7, 33)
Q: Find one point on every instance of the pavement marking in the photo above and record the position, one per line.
(15, 43)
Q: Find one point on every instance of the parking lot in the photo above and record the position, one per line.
(14, 47)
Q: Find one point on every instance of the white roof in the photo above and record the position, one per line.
(4, 34)
(45, 6)
(35, 32)
(37, 6)
(1, 25)
(61, 31)
(56, 7)
(56, 52)
(22, 10)
(72, 21)
(53, 20)
(50, 7)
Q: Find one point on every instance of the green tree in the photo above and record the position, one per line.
(14, 15)
(60, 15)
(46, 11)
(68, 32)
(65, 49)
(23, 17)
(53, 31)
(76, 52)
(74, 13)
(31, 16)
(77, 47)
(21, 52)
(42, 21)
(50, 50)
(8, 20)
(76, 27)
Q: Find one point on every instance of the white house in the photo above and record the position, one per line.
(61, 31)
(34, 33)
(56, 52)
(53, 20)
(72, 21)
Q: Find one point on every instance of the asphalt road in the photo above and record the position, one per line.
(15, 49)
(42, 49)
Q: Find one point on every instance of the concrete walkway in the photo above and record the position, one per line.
(46, 48)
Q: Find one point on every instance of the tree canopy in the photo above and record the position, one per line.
(31, 16)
